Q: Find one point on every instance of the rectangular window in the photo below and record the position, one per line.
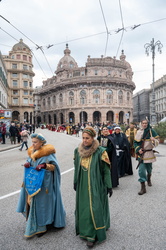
(15, 92)
(14, 75)
(25, 76)
(30, 85)
(15, 101)
(96, 72)
(14, 66)
(25, 92)
(25, 67)
(31, 101)
(18, 57)
(31, 93)
(24, 57)
(25, 84)
(25, 100)
(15, 84)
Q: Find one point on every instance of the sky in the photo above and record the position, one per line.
(90, 27)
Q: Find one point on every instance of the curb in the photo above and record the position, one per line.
(8, 148)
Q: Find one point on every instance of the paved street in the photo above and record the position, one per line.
(137, 222)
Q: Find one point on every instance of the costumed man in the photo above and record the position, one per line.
(106, 141)
(122, 152)
(92, 184)
(145, 140)
(40, 198)
(130, 133)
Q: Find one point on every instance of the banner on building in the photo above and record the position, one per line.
(5, 114)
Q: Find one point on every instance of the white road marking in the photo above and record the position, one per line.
(18, 191)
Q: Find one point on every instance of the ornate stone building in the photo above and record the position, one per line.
(3, 85)
(141, 105)
(20, 80)
(160, 98)
(101, 91)
(142, 101)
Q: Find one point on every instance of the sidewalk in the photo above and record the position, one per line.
(8, 145)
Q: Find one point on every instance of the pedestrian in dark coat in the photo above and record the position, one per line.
(13, 133)
(122, 152)
(106, 141)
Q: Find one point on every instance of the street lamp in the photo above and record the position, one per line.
(150, 47)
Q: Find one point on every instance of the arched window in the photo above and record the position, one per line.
(54, 99)
(96, 96)
(128, 97)
(71, 98)
(48, 102)
(82, 96)
(109, 96)
(60, 98)
(44, 102)
(120, 97)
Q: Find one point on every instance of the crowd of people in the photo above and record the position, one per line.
(16, 132)
(103, 156)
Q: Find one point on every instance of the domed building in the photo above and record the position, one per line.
(100, 92)
(20, 80)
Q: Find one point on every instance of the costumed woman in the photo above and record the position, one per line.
(92, 184)
(40, 198)
(145, 140)
(106, 141)
(122, 152)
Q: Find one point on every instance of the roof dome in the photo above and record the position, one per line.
(67, 61)
(20, 46)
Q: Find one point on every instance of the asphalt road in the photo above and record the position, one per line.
(137, 222)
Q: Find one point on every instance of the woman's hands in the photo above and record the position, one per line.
(41, 166)
(27, 165)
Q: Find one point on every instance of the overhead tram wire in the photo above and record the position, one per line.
(128, 28)
(106, 29)
(123, 29)
(9, 34)
(37, 46)
(30, 50)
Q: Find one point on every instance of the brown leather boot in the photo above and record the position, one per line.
(149, 180)
(143, 189)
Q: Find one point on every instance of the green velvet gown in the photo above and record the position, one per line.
(92, 216)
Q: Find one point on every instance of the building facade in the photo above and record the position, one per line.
(100, 92)
(142, 102)
(160, 98)
(141, 109)
(3, 85)
(20, 80)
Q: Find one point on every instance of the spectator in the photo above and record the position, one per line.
(24, 137)
(13, 133)
(3, 131)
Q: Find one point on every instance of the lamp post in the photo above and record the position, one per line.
(150, 47)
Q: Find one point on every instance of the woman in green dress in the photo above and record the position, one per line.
(92, 184)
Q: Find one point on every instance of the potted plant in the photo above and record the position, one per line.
(160, 129)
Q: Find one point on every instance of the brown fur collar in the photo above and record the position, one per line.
(45, 150)
(88, 152)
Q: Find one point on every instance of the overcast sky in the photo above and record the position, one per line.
(83, 25)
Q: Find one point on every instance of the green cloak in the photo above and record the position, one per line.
(92, 217)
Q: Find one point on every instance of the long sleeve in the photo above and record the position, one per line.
(106, 170)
